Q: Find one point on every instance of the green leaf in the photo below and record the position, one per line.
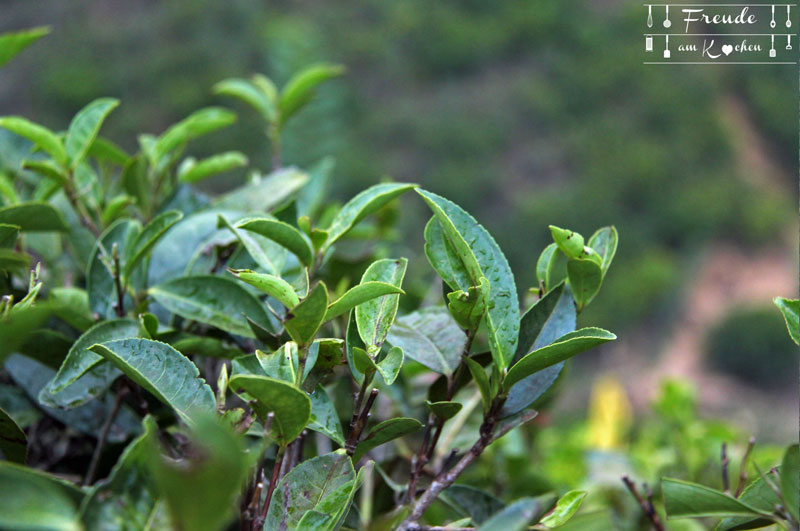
(8, 235)
(515, 517)
(14, 261)
(431, 337)
(384, 432)
(359, 294)
(126, 499)
(41, 136)
(266, 253)
(571, 243)
(269, 284)
(115, 207)
(291, 406)
(375, 316)
(683, 499)
(389, 367)
(83, 370)
(84, 128)
(482, 257)
(299, 90)
(13, 442)
(148, 238)
(367, 202)
(444, 258)
(481, 380)
(324, 418)
(99, 280)
(162, 371)
(585, 279)
(105, 150)
(444, 410)
(566, 507)
(304, 320)
(13, 42)
(216, 301)
(604, 242)
(284, 234)
(31, 500)
(197, 124)
(33, 216)
(790, 308)
(250, 93)
(322, 485)
(468, 307)
(209, 347)
(363, 362)
(544, 323)
(564, 348)
(474, 503)
(201, 490)
(551, 268)
(790, 480)
(48, 169)
(759, 495)
(213, 165)
(265, 193)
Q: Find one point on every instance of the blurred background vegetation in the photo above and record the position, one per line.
(524, 113)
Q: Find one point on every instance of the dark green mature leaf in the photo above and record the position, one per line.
(126, 499)
(482, 257)
(604, 241)
(197, 124)
(13, 442)
(477, 504)
(162, 371)
(32, 500)
(304, 320)
(375, 316)
(39, 135)
(265, 193)
(790, 480)
(8, 235)
(562, 349)
(299, 90)
(48, 169)
(549, 319)
(269, 284)
(367, 202)
(515, 517)
(249, 93)
(99, 280)
(431, 337)
(282, 233)
(33, 216)
(291, 406)
(759, 495)
(444, 410)
(81, 363)
(216, 164)
(14, 261)
(566, 507)
(363, 363)
(13, 42)
(359, 294)
(389, 367)
(323, 484)
(216, 301)
(683, 499)
(84, 128)
(585, 279)
(201, 491)
(148, 238)
(443, 257)
(324, 418)
(790, 308)
(384, 432)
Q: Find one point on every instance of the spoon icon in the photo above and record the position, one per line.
(649, 16)
(772, 22)
(667, 22)
(788, 16)
(788, 42)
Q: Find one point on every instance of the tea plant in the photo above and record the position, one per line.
(200, 354)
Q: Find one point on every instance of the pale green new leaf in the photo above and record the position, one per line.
(213, 165)
(566, 507)
(359, 294)
(13, 42)
(197, 124)
(266, 253)
(444, 410)
(300, 88)
(148, 238)
(375, 316)
(790, 308)
(585, 279)
(84, 128)
(264, 194)
(304, 320)
(269, 284)
(281, 233)
(683, 499)
(39, 135)
(250, 93)
(389, 367)
(604, 242)
(162, 371)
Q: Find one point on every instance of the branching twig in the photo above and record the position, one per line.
(117, 273)
(645, 503)
(359, 419)
(724, 461)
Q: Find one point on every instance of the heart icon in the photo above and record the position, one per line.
(727, 49)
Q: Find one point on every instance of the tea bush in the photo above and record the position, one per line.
(171, 359)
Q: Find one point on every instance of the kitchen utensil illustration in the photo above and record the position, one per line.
(667, 22)
(772, 46)
(788, 42)
(648, 43)
(788, 16)
(666, 48)
(649, 16)
(772, 22)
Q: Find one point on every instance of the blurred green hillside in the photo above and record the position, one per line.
(518, 111)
